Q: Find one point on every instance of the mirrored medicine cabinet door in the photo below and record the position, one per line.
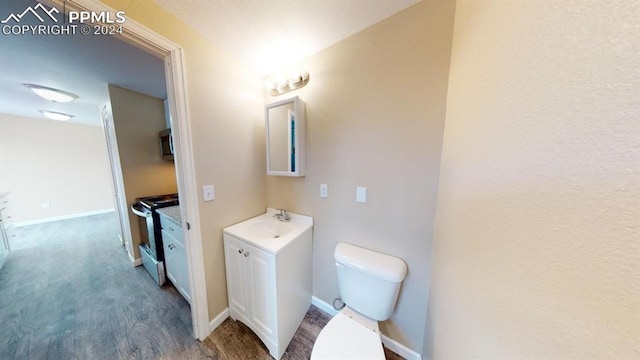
(285, 129)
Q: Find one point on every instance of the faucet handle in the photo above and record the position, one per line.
(283, 215)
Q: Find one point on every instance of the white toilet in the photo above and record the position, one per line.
(369, 284)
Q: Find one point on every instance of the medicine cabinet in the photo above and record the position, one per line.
(285, 129)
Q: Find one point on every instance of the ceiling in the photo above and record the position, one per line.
(267, 35)
(82, 65)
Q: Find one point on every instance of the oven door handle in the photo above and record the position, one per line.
(138, 211)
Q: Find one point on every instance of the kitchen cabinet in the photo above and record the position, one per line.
(175, 255)
(5, 227)
(269, 292)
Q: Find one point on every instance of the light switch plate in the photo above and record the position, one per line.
(324, 190)
(361, 194)
(208, 193)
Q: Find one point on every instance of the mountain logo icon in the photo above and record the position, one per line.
(33, 11)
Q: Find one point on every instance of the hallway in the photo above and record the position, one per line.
(68, 290)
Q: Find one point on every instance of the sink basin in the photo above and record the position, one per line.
(269, 233)
(268, 228)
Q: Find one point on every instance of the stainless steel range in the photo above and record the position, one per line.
(151, 250)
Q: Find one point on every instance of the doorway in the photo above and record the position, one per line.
(171, 54)
(151, 42)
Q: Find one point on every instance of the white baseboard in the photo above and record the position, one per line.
(323, 306)
(63, 217)
(134, 262)
(388, 342)
(218, 320)
(400, 349)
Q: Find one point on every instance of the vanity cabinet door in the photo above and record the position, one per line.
(236, 268)
(262, 280)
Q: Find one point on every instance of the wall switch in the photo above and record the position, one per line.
(361, 194)
(208, 193)
(324, 190)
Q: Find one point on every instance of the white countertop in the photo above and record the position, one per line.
(172, 212)
(265, 239)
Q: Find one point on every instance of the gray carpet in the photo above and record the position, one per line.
(68, 291)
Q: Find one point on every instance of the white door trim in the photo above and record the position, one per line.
(141, 37)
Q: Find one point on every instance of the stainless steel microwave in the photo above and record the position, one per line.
(166, 145)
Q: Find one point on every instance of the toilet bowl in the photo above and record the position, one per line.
(348, 335)
(369, 283)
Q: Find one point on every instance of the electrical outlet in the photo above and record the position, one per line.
(208, 193)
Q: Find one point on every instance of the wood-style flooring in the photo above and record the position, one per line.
(68, 291)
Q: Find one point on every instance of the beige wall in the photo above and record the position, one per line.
(375, 117)
(138, 118)
(226, 110)
(537, 246)
(47, 161)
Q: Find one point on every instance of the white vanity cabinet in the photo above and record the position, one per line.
(251, 286)
(269, 282)
(175, 256)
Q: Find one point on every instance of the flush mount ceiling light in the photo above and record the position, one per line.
(283, 86)
(51, 94)
(56, 115)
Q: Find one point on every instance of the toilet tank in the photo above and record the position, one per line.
(369, 281)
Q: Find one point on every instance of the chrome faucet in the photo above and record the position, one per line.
(283, 216)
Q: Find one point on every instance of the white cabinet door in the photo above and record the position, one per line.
(262, 281)
(5, 218)
(171, 260)
(4, 243)
(251, 286)
(182, 273)
(236, 268)
(175, 256)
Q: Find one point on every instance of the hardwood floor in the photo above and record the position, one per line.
(68, 291)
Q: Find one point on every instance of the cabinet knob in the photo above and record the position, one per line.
(170, 229)
(246, 254)
(240, 251)
(171, 246)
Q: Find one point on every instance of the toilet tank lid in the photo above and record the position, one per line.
(380, 265)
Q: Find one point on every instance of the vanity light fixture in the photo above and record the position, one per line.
(284, 86)
(56, 115)
(51, 94)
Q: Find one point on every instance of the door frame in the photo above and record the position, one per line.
(151, 42)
